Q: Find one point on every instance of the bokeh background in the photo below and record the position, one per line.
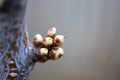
(92, 30)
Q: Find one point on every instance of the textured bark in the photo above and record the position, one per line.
(16, 54)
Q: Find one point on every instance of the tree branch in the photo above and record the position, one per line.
(17, 55)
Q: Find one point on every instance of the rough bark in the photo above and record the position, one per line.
(15, 50)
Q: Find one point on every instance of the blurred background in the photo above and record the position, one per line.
(92, 30)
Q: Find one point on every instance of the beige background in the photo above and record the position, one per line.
(92, 29)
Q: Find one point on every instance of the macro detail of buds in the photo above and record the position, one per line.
(48, 48)
(37, 40)
(51, 32)
(59, 40)
(56, 53)
(47, 41)
(42, 52)
(17, 55)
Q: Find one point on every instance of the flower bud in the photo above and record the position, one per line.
(51, 32)
(47, 41)
(37, 38)
(42, 52)
(59, 40)
(56, 53)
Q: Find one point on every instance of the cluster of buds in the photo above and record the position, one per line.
(48, 48)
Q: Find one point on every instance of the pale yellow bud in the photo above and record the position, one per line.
(56, 53)
(59, 40)
(37, 38)
(47, 41)
(42, 52)
(51, 32)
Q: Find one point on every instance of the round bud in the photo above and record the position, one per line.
(59, 40)
(47, 41)
(56, 53)
(37, 38)
(51, 32)
(42, 52)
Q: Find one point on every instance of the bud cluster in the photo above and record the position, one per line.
(48, 48)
